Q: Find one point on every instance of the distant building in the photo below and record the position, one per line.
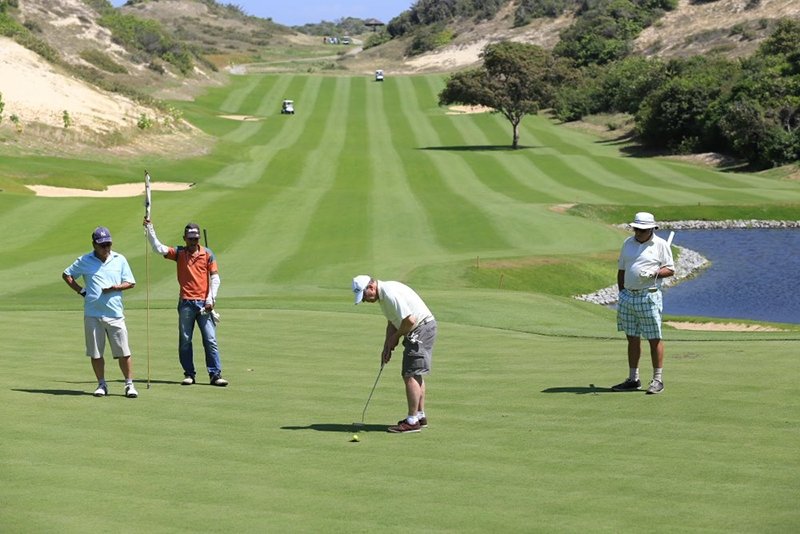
(373, 23)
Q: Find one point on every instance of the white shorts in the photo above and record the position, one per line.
(96, 329)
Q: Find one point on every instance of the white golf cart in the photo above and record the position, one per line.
(287, 108)
(379, 75)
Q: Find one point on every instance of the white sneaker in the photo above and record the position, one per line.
(101, 391)
(188, 381)
(130, 391)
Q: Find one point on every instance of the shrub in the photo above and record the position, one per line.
(17, 123)
(102, 61)
(377, 38)
(144, 122)
(429, 38)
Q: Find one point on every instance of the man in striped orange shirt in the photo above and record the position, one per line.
(198, 278)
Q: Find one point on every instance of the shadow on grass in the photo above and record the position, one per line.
(77, 393)
(71, 392)
(579, 390)
(339, 427)
(478, 148)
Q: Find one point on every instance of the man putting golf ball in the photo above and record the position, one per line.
(410, 319)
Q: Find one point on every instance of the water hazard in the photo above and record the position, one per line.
(754, 274)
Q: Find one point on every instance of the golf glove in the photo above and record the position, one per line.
(649, 273)
(215, 318)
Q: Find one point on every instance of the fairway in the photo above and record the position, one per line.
(375, 178)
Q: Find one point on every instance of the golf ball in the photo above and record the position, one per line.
(355, 437)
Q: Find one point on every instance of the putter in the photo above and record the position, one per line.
(364, 413)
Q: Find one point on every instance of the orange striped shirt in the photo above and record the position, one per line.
(194, 270)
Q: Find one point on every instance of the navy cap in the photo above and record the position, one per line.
(101, 235)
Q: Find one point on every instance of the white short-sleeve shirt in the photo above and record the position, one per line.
(636, 258)
(398, 301)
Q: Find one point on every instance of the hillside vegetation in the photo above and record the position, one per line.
(148, 50)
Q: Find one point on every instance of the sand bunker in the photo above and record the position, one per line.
(240, 117)
(113, 191)
(460, 110)
(722, 327)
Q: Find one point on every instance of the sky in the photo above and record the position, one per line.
(299, 12)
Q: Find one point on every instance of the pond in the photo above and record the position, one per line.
(754, 274)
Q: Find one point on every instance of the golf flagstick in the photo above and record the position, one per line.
(147, 203)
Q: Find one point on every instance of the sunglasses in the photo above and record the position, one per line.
(103, 245)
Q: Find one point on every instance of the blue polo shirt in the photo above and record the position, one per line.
(97, 275)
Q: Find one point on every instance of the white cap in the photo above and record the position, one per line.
(360, 283)
(644, 221)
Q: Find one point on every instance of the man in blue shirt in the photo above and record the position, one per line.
(106, 274)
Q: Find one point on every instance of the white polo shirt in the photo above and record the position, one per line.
(398, 301)
(636, 258)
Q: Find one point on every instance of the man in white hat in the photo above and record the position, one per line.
(408, 317)
(644, 259)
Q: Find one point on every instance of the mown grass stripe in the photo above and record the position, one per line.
(568, 185)
(498, 167)
(401, 230)
(617, 187)
(284, 149)
(318, 178)
(697, 192)
(458, 222)
(331, 238)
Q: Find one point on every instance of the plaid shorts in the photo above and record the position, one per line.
(639, 313)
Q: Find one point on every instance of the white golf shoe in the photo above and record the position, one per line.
(130, 391)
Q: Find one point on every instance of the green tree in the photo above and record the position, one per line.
(515, 80)
(680, 113)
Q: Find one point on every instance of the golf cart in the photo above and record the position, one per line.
(287, 108)
(379, 75)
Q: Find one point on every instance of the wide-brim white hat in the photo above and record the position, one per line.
(644, 221)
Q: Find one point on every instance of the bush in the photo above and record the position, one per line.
(144, 122)
(377, 38)
(605, 29)
(149, 37)
(682, 111)
(527, 10)
(429, 38)
(102, 61)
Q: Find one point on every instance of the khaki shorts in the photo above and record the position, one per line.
(96, 329)
(418, 350)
